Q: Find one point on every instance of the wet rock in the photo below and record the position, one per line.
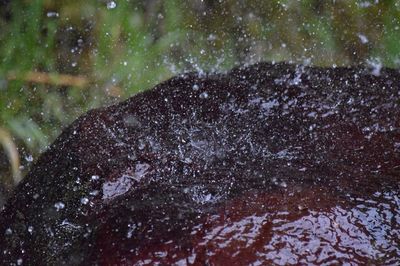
(265, 164)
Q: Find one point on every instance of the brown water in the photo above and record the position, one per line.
(292, 225)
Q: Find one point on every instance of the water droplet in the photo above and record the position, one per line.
(29, 158)
(52, 14)
(363, 38)
(376, 66)
(30, 229)
(8, 232)
(94, 193)
(187, 160)
(211, 37)
(204, 95)
(141, 144)
(283, 184)
(301, 207)
(59, 205)
(84, 201)
(111, 5)
(130, 231)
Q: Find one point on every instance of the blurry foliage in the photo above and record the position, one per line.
(122, 47)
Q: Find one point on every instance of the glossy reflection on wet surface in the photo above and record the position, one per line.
(289, 225)
(267, 164)
(365, 232)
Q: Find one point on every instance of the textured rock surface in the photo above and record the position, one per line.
(266, 164)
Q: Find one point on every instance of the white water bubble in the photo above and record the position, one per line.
(363, 38)
(84, 201)
(59, 205)
(111, 5)
(29, 158)
(131, 229)
(204, 95)
(211, 37)
(375, 65)
(8, 232)
(94, 193)
(52, 14)
(30, 229)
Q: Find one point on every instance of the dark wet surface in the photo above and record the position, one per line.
(267, 164)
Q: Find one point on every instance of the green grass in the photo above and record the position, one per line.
(137, 44)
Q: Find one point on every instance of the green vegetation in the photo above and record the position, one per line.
(61, 58)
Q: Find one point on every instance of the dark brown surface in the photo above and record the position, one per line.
(266, 164)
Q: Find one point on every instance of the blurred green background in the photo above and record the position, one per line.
(62, 58)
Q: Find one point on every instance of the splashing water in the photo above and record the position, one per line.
(267, 164)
